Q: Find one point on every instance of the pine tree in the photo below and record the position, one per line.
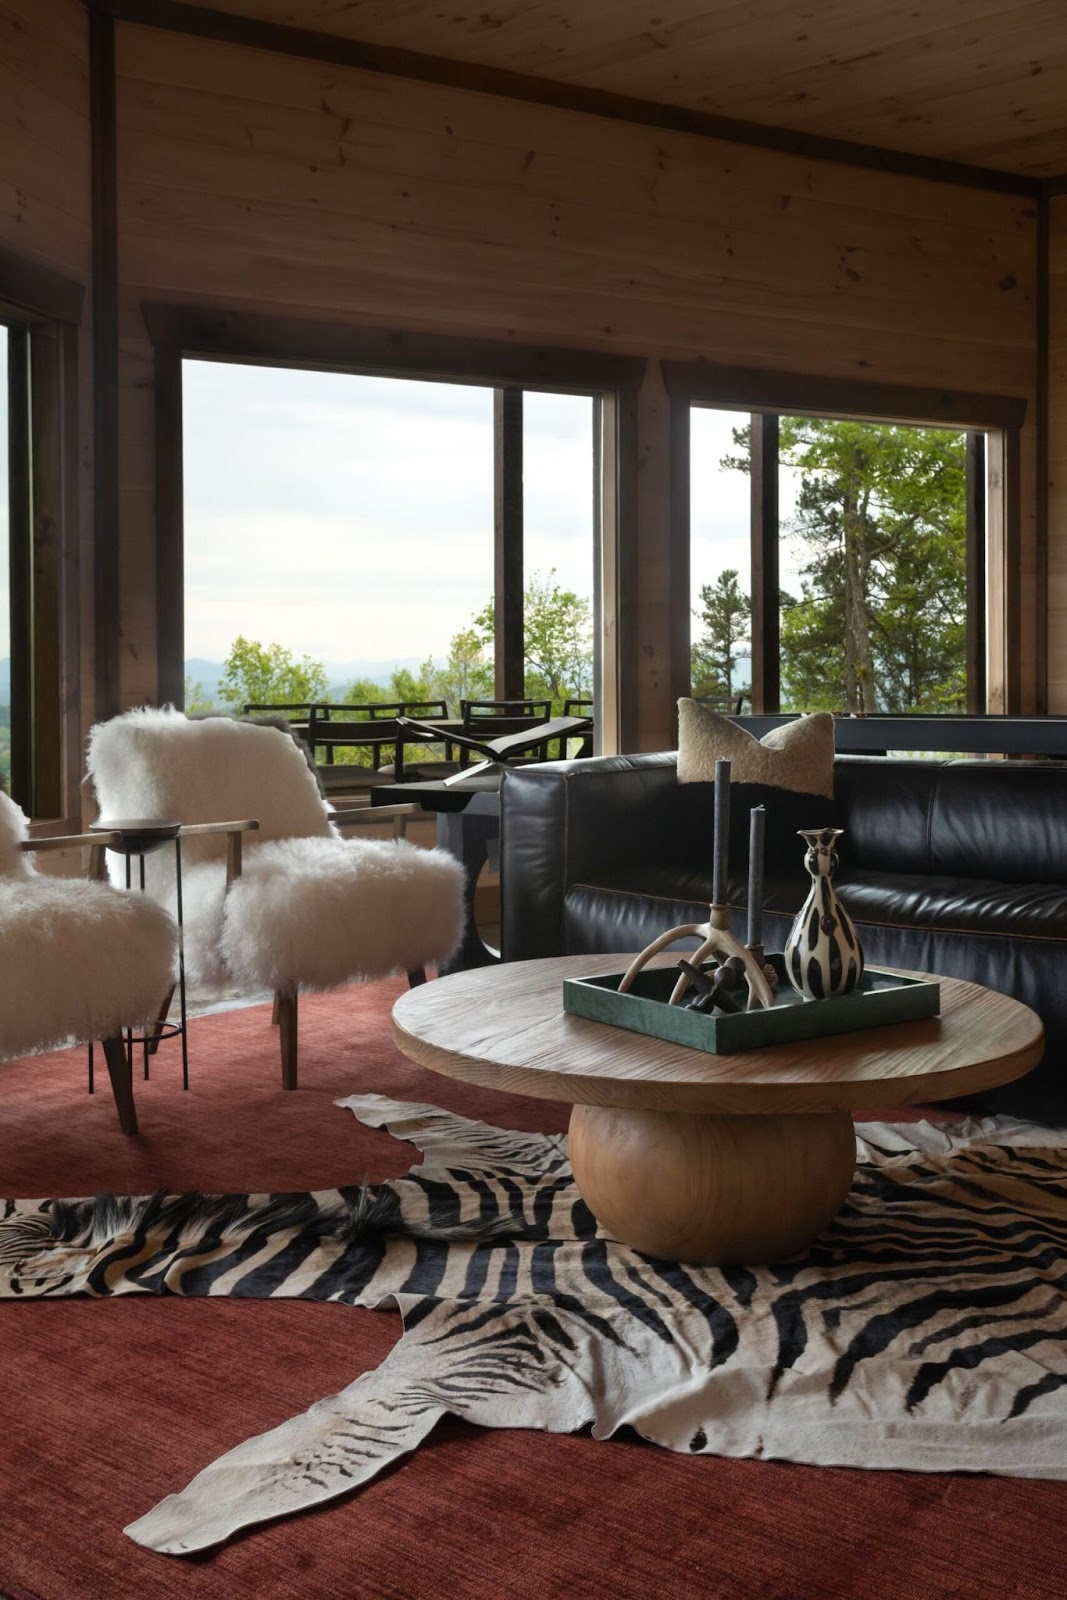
(880, 527)
(726, 619)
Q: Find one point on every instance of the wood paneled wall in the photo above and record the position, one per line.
(253, 180)
(45, 200)
(1057, 497)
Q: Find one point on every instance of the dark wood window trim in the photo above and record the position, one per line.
(976, 641)
(44, 307)
(794, 394)
(765, 536)
(20, 562)
(179, 331)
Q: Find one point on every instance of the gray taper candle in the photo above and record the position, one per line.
(757, 819)
(722, 832)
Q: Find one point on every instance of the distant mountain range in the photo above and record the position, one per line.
(208, 674)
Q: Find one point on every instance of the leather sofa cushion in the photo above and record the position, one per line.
(627, 913)
(979, 906)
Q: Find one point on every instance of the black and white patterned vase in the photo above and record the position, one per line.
(822, 954)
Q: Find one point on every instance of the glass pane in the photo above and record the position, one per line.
(338, 537)
(720, 559)
(5, 577)
(558, 546)
(873, 567)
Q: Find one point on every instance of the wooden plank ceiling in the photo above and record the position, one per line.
(977, 81)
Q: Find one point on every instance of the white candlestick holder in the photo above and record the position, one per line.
(717, 940)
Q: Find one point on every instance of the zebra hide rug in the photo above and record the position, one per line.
(925, 1329)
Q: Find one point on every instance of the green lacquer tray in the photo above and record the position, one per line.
(881, 999)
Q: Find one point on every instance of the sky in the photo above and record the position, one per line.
(352, 518)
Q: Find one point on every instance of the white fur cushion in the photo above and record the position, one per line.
(799, 756)
(311, 909)
(324, 912)
(159, 763)
(79, 961)
(14, 863)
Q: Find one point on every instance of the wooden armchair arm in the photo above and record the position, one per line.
(397, 815)
(70, 841)
(235, 832)
(96, 843)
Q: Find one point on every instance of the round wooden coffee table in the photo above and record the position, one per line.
(697, 1157)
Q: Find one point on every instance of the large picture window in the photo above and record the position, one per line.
(843, 560)
(380, 516)
(872, 545)
(339, 539)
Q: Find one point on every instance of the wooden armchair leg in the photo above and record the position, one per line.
(286, 1003)
(121, 1074)
(416, 976)
(157, 1026)
(276, 1010)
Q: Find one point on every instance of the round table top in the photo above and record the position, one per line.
(504, 1027)
(138, 835)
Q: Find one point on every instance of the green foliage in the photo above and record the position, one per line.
(880, 622)
(557, 639)
(726, 617)
(467, 673)
(559, 665)
(197, 703)
(363, 691)
(268, 674)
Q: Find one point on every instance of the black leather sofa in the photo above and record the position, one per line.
(955, 867)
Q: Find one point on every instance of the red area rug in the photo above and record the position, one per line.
(108, 1405)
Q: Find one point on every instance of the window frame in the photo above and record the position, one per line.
(993, 567)
(180, 332)
(44, 308)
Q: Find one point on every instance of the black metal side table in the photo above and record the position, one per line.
(139, 837)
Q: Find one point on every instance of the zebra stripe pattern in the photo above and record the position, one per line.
(926, 1329)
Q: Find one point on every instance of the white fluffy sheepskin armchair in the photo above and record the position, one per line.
(311, 910)
(78, 960)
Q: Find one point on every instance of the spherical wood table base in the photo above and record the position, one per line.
(712, 1189)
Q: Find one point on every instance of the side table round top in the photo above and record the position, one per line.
(139, 835)
(505, 1027)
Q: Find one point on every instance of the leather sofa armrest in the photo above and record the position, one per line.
(562, 822)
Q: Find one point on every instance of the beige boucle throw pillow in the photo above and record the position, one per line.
(798, 756)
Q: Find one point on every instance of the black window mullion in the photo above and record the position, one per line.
(508, 576)
(766, 632)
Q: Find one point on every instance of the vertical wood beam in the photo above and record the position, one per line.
(105, 363)
(599, 533)
(20, 563)
(679, 547)
(766, 586)
(46, 556)
(976, 636)
(170, 530)
(617, 709)
(1041, 387)
(509, 641)
(70, 676)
